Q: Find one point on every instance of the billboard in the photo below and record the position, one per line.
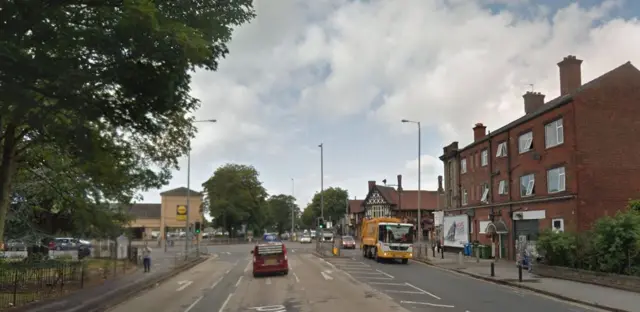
(181, 213)
(456, 230)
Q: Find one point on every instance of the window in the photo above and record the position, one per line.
(527, 184)
(502, 150)
(485, 193)
(525, 142)
(465, 197)
(503, 187)
(482, 227)
(553, 133)
(557, 225)
(556, 180)
(485, 157)
(463, 166)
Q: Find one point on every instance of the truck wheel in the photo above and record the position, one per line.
(405, 261)
(364, 252)
(375, 254)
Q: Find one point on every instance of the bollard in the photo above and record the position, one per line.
(460, 262)
(520, 272)
(442, 252)
(434, 251)
(477, 254)
(493, 270)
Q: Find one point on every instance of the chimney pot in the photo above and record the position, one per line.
(399, 182)
(440, 189)
(372, 184)
(532, 101)
(479, 132)
(570, 74)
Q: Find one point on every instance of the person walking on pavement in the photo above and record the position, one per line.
(146, 258)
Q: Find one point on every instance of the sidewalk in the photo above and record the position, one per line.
(506, 272)
(162, 265)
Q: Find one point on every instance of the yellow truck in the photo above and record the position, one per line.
(387, 238)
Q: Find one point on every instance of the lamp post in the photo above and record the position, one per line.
(187, 231)
(293, 207)
(419, 175)
(321, 146)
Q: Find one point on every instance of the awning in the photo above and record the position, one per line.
(497, 227)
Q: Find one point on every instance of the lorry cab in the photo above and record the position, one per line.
(270, 257)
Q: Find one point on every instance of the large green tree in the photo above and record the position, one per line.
(235, 196)
(308, 217)
(105, 86)
(280, 208)
(335, 203)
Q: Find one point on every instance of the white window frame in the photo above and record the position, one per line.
(562, 180)
(558, 131)
(463, 165)
(561, 225)
(484, 158)
(529, 191)
(485, 193)
(465, 197)
(525, 142)
(502, 187)
(502, 150)
(483, 226)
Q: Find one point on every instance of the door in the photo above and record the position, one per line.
(526, 233)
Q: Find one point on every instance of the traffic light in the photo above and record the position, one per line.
(320, 222)
(198, 225)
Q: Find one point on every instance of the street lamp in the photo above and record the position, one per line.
(321, 146)
(293, 205)
(186, 243)
(419, 176)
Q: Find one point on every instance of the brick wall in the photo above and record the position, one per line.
(624, 282)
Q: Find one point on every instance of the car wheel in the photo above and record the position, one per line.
(255, 274)
(286, 272)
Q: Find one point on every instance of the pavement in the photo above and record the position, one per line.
(224, 283)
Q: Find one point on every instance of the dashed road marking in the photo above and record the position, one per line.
(193, 304)
(239, 280)
(427, 303)
(424, 291)
(388, 275)
(183, 285)
(296, 276)
(224, 304)
(387, 284)
(216, 282)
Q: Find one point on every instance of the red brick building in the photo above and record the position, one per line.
(387, 201)
(563, 165)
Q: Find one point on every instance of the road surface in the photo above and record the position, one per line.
(224, 283)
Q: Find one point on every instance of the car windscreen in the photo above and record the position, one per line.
(396, 233)
(270, 238)
(347, 238)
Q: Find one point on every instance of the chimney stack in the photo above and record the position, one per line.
(400, 183)
(570, 74)
(440, 189)
(532, 101)
(372, 184)
(479, 132)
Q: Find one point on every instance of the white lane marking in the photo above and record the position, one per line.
(239, 280)
(247, 268)
(268, 281)
(404, 292)
(424, 291)
(366, 273)
(296, 276)
(193, 304)
(228, 253)
(353, 258)
(375, 277)
(329, 263)
(227, 272)
(326, 276)
(236, 263)
(429, 304)
(388, 275)
(216, 282)
(183, 285)
(388, 284)
(224, 304)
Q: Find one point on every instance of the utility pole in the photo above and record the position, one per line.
(187, 232)
(321, 180)
(293, 207)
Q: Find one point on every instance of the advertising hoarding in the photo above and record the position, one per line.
(456, 231)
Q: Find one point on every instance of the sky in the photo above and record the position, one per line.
(344, 73)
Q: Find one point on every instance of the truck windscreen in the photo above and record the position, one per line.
(396, 234)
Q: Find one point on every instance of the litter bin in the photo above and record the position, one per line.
(467, 249)
(486, 252)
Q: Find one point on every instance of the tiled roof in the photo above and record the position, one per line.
(428, 199)
(355, 206)
(146, 211)
(557, 102)
(181, 191)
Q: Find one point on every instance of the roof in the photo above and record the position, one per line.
(428, 199)
(550, 105)
(181, 191)
(355, 206)
(146, 211)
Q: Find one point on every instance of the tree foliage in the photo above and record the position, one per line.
(99, 91)
(612, 245)
(308, 217)
(235, 196)
(335, 204)
(280, 212)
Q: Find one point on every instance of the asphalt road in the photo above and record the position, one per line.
(225, 283)
(418, 286)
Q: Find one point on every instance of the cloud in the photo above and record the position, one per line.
(305, 72)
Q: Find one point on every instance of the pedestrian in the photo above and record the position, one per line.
(146, 258)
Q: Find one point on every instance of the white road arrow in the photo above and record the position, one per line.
(326, 276)
(183, 285)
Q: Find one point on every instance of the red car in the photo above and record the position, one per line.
(348, 242)
(270, 258)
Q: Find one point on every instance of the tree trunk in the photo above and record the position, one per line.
(6, 174)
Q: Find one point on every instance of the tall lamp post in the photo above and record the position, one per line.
(293, 207)
(419, 175)
(321, 146)
(187, 231)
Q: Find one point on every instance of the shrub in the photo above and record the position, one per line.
(558, 248)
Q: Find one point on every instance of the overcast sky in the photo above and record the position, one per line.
(345, 72)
